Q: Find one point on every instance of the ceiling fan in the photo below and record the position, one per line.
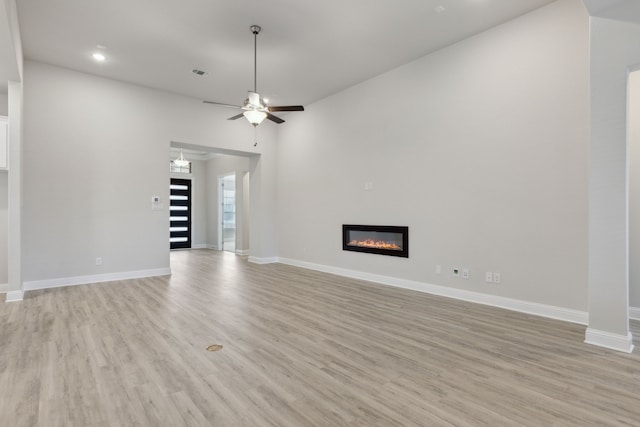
(255, 107)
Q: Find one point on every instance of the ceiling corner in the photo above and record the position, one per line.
(621, 10)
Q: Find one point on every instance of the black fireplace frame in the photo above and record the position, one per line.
(404, 253)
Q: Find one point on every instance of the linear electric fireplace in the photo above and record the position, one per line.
(376, 239)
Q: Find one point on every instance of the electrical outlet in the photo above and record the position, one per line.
(99, 261)
(438, 269)
(465, 273)
(488, 277)
(497, 278)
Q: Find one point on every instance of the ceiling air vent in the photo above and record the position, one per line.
(199, 72)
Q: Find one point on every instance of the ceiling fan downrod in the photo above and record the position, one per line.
(255, 29)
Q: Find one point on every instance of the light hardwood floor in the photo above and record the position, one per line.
(301, 348)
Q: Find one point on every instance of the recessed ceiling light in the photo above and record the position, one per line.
(100, 57)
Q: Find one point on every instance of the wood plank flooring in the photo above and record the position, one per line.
(301, 348)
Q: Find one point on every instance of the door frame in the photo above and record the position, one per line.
(221, 210)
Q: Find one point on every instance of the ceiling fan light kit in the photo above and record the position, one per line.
(255, 117)
(255, 107)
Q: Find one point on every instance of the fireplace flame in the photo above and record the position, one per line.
(375, 244)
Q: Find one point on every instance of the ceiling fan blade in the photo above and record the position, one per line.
(274, 118)
(222, 104)
(236, 117)
(285, 108)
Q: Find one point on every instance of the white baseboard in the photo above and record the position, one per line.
(212, 247)
(549, 311)
(269, 260)
(14, 296)
(201, 246)
(608, 340)
(634, 313)
(242, 252)
(4, 287)
(97, 278)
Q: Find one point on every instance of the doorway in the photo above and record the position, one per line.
(180, 213)
(227, 215)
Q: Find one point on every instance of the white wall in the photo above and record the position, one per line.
(4, 222)
(634, 189)
(4, 104)
(95, 151)
(244, 239)
(15, 191)
(4, 213)
(480, 148)
(612, 53)
(12, 102)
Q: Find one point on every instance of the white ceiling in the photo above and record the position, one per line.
(193, 154)
(307, 49)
